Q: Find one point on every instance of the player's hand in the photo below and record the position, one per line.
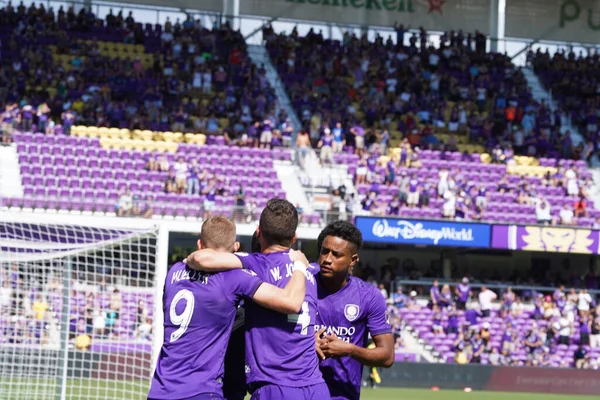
(320, 341)
(297, 255)
(336, 347)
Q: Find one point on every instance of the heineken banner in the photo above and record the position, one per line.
(203, 5)
(438, 15)
(561, 20)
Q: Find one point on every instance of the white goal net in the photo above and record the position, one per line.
(76, 311)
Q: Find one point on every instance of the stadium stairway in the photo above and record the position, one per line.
(10, 173)
(294, 193)
(260, 57)
(415, 345)
(541, 94)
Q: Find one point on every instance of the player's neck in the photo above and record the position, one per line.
(333, 285)
(276, 248)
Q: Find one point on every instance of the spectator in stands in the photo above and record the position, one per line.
(585, 328)
(437, 327)
(412, 198)
(571, 182)
(564, 333)
(144, 330)
(542, 212)
(194, 174)
(478, 348)
(383, 290)
(584, 303)
(452, 323)
(580, 356)
(595, 331)
(486, 298)
(303, 146)
(210, 195)
(99, 323)
(509, 339)
(125, 204)
(339, 140)
(399, 299)
(434, 294)
(163, 164)
(580, 207)
(463, 293)
(566, 215)
(6, 294)
(181, 174)
(445, 297)
(326, 146)
(533, 341)
(472, 314)
(516, 309)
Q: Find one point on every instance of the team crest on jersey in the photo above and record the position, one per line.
(351, 312)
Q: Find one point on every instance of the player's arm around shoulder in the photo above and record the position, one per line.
(209, 260)
(289, 299)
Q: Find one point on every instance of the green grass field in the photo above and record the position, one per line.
(85, 389)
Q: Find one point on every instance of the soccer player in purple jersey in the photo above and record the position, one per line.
(349, 309)
(199, 310)
(280, 350)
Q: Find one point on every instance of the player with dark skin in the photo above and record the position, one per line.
(337, 259)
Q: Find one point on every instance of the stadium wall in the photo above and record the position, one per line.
(485, 377)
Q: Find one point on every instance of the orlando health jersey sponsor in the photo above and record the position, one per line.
(351, 313)
(280, 349)
(199, 310)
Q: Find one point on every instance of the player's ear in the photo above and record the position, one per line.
(236, 246)
(293, 239)
(354, 259)
(199, 244)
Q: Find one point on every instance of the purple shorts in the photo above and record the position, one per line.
(203, 396)
(275, 392)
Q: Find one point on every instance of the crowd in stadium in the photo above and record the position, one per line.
(31, 310)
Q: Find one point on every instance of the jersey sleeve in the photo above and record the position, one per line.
(242, 283)
(248, 261)
(377, 317)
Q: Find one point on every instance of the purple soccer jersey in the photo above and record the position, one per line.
(199, 310)
(351, 313)
(280, 349)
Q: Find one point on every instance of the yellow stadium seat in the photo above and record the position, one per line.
(171, 146)
(103, 131)
(177, 137)
(485, 158)
(151, 145)
(189, 138)
(124, 133)
(146, 135)
(92, 132)
(160, 146)
(112, 132)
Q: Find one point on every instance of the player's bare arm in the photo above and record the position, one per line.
(287, 300)
(380, 356)
(209, 260)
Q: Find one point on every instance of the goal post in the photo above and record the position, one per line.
(80, 307)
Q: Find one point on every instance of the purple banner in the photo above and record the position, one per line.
(545, 238)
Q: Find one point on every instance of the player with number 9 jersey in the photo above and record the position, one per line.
(280, 349)
(199, 312)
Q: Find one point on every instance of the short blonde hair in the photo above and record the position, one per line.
(218, 233)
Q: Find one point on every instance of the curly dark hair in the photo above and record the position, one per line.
(344, 230)
(278, 222)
